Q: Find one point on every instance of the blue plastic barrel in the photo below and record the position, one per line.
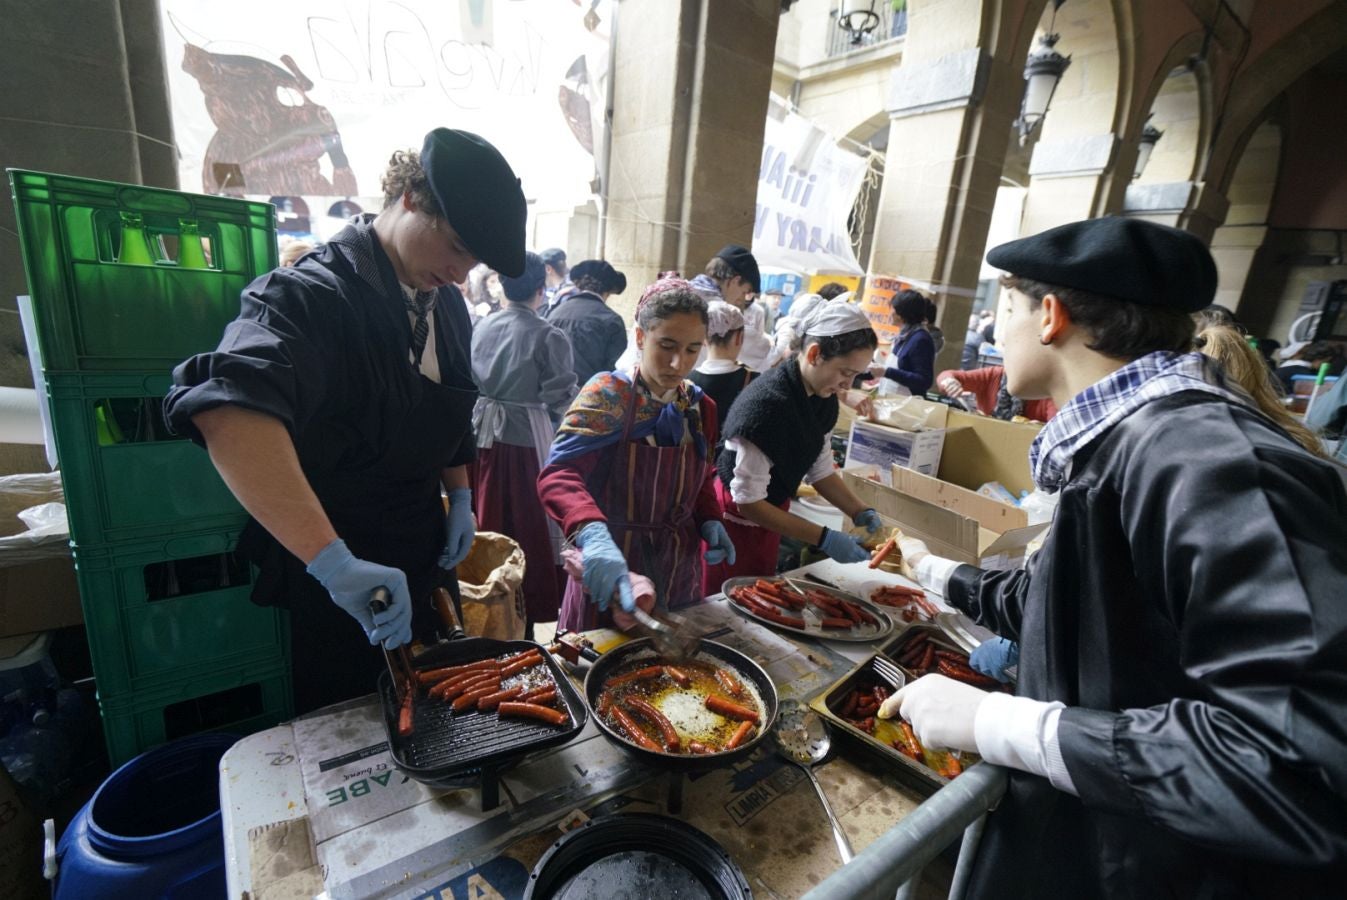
(152, 830)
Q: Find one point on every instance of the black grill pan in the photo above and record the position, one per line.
(448, 749)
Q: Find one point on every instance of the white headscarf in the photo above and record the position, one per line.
(833, 319)
(722, 318)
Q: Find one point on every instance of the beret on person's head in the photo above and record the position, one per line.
(741, 260)
(478, 195)
(602, 271)
(1123, 258)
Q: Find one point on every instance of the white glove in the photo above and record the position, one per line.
(942, 711)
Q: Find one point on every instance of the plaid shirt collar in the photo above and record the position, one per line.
(1107, 402)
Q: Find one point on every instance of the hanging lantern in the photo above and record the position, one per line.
(1150, 135)
(1042, 71)
(857, 18)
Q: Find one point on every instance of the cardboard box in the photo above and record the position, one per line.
(882, 447)
(945, 510)
(37, 581)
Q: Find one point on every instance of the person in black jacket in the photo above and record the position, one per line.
(1180, 724)
(338, 408)
(597, 334)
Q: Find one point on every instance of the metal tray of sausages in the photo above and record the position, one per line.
(813, 628)
(920, 778)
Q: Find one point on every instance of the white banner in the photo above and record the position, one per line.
(310, 97)
(806, 188)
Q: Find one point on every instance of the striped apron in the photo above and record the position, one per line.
(648, 498)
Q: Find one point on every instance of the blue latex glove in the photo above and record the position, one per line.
(352, 582)
(993, 657)
(719, 547)
(605, 569)
(460, 528)
(868, 519)
(843, 547)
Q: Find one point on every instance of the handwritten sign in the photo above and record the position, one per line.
(807, 185)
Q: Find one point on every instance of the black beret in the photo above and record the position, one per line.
(479, 195)
(601, 271)
(741, 261)
(1122, 258)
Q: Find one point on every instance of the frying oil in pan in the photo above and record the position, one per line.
(685, 707)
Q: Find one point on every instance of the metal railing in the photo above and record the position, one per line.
(891, 25)
(893, 863)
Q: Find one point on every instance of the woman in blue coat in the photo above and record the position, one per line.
(910, 368)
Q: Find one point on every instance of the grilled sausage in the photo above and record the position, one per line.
(405, 714)
(633, 730)
(469, 699)
(740, 735)
(660, 720)
(542, 696)
(533, 711)
(491, 701)
(526, 662)
(431, 676)
(678, 675)
(639, 675)
(729, 682)
(729, 709)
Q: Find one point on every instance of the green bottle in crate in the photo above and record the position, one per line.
(135, 249)
(190, 254)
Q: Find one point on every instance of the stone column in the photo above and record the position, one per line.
(692, 80)
(951, 110)
(1071, 179)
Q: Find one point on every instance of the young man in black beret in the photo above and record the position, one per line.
(1180, 721)
(339, 404)
(731, 275)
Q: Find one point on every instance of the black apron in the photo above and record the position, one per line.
(389, 512)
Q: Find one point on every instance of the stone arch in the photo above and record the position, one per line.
(1179, 97)
(1091, 96)
(1257, 86)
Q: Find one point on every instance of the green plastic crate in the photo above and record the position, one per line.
(239, 701)
(96, 314)
(179, 608)
(127, 478)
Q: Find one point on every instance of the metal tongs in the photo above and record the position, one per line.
(400, 669)
(672, 636)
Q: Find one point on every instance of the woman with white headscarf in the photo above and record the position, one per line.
(779, 434)
(721, 374)
(787, 336)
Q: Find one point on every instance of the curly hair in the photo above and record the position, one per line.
(404, 175)
(667, 304)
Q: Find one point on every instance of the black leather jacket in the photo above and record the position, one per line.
(597, 334)
(1189, 606)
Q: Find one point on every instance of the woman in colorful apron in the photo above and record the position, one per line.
(778, 435)
(630, 477)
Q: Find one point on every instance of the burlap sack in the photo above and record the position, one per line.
(491, 580)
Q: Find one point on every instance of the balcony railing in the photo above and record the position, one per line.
(891, 25)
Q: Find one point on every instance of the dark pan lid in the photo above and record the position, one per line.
(636, 855)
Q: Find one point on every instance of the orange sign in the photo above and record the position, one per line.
(879, 290)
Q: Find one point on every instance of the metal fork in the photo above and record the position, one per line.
(889, 672)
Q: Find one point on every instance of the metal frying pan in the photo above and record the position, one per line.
(639, 651)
